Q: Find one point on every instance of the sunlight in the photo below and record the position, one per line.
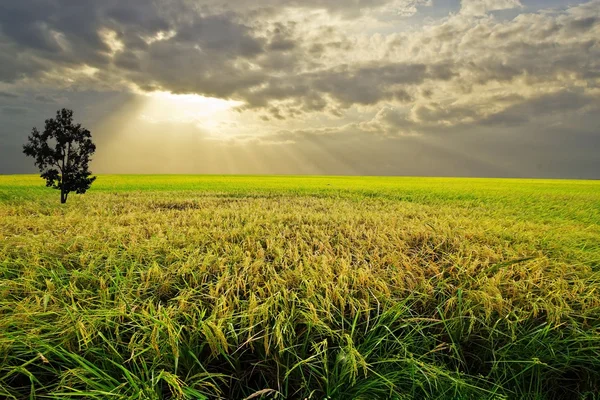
(206, 112)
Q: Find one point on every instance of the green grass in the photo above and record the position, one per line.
(156, 287)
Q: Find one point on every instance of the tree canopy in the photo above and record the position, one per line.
(62, 152)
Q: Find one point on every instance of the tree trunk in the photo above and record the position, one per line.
(63, 197)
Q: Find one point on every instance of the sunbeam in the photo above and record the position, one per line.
(207, 113)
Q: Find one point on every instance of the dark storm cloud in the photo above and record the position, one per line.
(348, 85)
(212, 54)
(544, 111)
(547, 107)
(70, 33)
(218, 49)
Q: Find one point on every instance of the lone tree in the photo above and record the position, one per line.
(62, 153)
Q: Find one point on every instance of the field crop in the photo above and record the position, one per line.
(233, 287)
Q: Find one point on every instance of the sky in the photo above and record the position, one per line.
(490, 88)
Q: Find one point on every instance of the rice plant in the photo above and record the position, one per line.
(189, 287)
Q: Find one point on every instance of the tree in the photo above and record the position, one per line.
(62, 153)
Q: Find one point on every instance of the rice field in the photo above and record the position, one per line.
(241, 287)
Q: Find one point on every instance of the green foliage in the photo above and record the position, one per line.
(232, 287)
(62, 153)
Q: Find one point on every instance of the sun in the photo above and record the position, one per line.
(206, 112)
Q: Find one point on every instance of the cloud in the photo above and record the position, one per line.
(283, 57)
(8, 95)
(44, 98)
(406, 8)
(10, 110)
(547, 109)
(481, 7)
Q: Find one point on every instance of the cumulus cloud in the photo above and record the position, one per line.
(481, 7)
(406, 8)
